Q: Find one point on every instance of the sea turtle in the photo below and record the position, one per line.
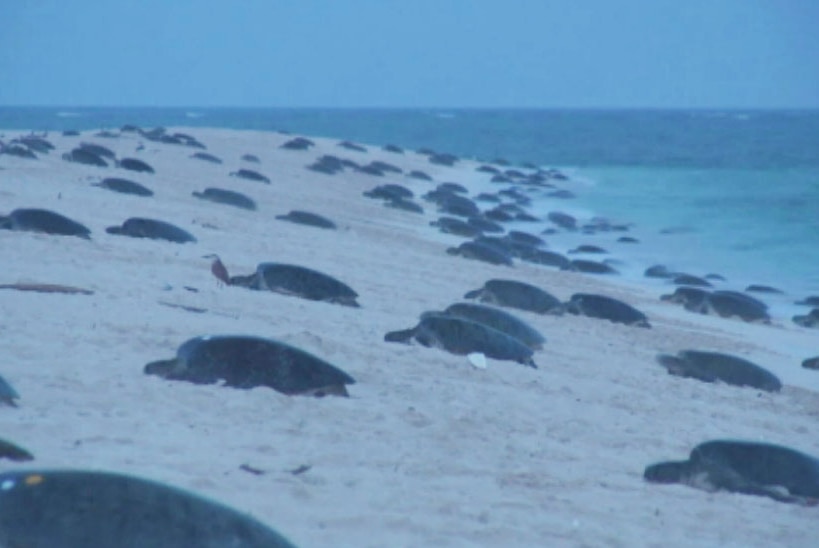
(515, 294)
(139, 227)
(250, 175)
(480, 251)
(43, 220)
(227, 197)
(307, 218)
(590, 267)
(13, 452)
(246, 362)
(134, 164)
(124, 186)
(8, 394)
(715, 366)
(206, 157)
(289, 279)
(500, 320)
(606, 308)
(73, 508)
(461, 337)
(747, 467)
(811, 319)
(84, 156)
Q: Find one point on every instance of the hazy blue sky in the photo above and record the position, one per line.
(413, 53)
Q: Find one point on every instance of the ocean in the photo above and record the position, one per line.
(733, 192)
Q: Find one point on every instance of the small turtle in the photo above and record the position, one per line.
(455, 226)
(99, 150)
(811, 363)
(715, 366)
(139, 227)
(811, 319)
(461, 337)
(515, 294)
(606, 308)
(692, 298)
(124, 186)
(246, 362)
(729, 304)
(206, 157)
(751, 468)
(544, 257)
(250, 175)
(757, 288)
(307, 218)
(590, 267)
(43, 220)
(227, 197)
(73, 508)
(290, 279)
(134, 164)
(389, 192)
(404, 205)
(480, 251)
(500, 320)
(690, 279)
(14, 453)
(84, 156)
(297, 143)
(8, 394)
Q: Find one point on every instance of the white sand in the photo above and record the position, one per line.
(428, 450)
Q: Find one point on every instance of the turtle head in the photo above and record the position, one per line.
(167, 369)
(667, 472)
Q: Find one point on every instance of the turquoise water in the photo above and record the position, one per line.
(741, 188)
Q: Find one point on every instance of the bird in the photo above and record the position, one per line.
(218, 268)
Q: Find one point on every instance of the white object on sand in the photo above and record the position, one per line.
(477, 359)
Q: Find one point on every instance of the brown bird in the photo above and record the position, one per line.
(218, 268)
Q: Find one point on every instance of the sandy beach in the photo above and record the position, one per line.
(427, 450)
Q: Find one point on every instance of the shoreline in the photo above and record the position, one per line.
(428, 449)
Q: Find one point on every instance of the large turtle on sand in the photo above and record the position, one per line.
(73, 508)
(289, 279)
(751, 468)
(246, 362)
(605, 308)
(43, 220)
(515, 294)
(461, 337)
(718, 367)
(140, 227)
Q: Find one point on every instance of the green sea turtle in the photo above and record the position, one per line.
(461, 336)
(515, 294)
(250, 175)
(811, 319)
(43, 220)
(307, 218)
(93, 509)
(140, 227)
(480, 251)
(135, 164)
(124, 186)
(246, 362)
(716, 366)
(14, 453)
(8, 394)
(289, 279)
(227, 197)
(605, 308)
(751, 468)
(500, 320)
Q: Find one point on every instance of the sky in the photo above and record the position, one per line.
(411, 53)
